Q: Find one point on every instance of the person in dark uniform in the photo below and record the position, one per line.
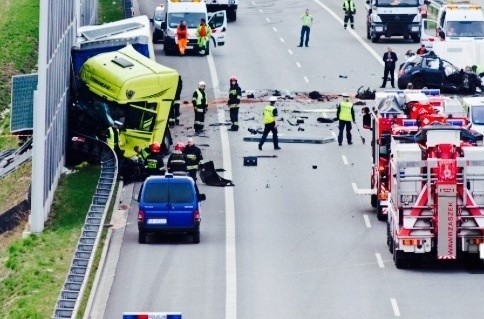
(389, 58)
(199, 101)
(270, 124)
(154, 161)
(345, 115)
(193, 158)
(177, 162)
(234, 100)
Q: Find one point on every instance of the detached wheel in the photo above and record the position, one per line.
(141, 237)
(196, 237)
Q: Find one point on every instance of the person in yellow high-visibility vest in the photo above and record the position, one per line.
(349, 9)
(307, 21)
(345, 115)
(270, 125)
(204, 32)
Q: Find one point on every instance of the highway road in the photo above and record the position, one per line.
(288, 241)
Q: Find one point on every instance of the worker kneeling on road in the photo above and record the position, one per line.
(345, 115)
(154, 161)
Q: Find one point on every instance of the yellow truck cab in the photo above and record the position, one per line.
(191, 11)
(127, 87)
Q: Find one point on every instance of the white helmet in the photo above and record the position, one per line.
(345, 95)
(272, 99)
(201, 83)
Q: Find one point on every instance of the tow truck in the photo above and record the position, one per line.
(402, 111)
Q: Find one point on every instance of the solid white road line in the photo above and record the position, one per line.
(345, 160)
(282, 40)
(366, 218)
(230, 251)
(353, 33)
(396, 311)
(379, 260)
(298, 64)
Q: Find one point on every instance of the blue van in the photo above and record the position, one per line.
(169, 204)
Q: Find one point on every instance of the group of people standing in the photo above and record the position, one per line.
(204, 32)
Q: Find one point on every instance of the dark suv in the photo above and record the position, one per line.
(169, 204)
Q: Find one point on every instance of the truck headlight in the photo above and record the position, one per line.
(415, 29)
(379, 29)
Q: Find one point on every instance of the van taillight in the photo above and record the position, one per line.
(196, 215)
(141, 215)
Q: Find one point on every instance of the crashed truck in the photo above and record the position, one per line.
(115, 78)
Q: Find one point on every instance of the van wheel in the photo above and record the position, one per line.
(196, 237)
(141, 237)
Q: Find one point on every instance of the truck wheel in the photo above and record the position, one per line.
(196, 237)
(399, 258)
(379, 212)
(141, 237)
(373, 200)
(166, 48)
(406, 37)
(232, 15)
(375, 38)
(368, 34)
(416, 39)
(389, 239)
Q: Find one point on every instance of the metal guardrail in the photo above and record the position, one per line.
(68, 302)
(12, 159)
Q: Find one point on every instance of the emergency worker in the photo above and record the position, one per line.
(114, 139)
(193, 158)
(154, 161)
(270, 124)
(234, 100)
(345, 115)
(181, 34)
(141, 154)
(349, 9)
(199, 101)
(204, 32)
(307, 21)
(177, 163)
(174, 118)
(478, 69)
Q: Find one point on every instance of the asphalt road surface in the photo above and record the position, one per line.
(288, 240)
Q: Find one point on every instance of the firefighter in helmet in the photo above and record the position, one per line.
(193, 157)
(177, 161)
(234, 100)
(154, 161)
(199, 101)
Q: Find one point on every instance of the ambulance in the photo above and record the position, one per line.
(191, 11)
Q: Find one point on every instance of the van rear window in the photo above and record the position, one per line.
(168, 193)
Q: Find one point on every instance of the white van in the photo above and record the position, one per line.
(474, 107)
(191, 11)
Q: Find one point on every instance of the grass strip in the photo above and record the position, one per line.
(34, 268)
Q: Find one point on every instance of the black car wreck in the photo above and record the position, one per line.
(430, 71)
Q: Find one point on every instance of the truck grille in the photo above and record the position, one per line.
(397, 18)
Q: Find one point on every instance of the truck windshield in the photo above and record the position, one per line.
(397, 3)
(192, 19)
(465, 29)
(478, 114)
(138, 116)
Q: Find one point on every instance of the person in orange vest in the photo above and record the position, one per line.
(181, 33)
(204, 32)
